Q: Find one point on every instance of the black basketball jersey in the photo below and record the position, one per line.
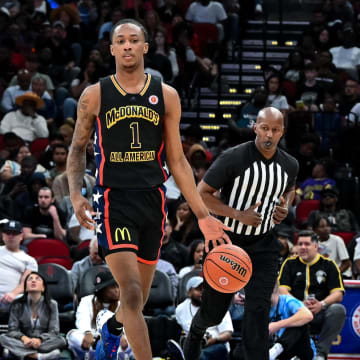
(129, 146)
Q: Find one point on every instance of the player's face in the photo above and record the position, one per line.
(307, 249)
(128, 46)
(268, 133)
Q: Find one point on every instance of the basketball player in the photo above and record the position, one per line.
(257, 182)
(136, 118)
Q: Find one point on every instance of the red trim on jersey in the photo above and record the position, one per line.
(128, 246)
(164, 218)
(159, 160)
(101, 167)
(106, 219)
(148, 262)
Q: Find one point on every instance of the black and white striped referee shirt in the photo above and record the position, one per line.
(245, 177)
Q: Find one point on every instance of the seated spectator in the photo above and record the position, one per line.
(184, 224)
(45, 220)
(11, 144)
(354, 115)
(82, 340)
(60, 153)
(211, 12)
(38, 85)
(67, 131)
(312, 187)
(25, 122)
(294, 67)
(197, 156)
(328, 76)
(288, 319)
(15, 265)
(32, 65)
(322, 280)
(347, 56)
(46, 157)
(340, 220)
(275, 99)
(216, 341)
(8, 101)
(196, 255)
(309, 91)
(350, 97)
(243, 125)
(80, 267)
(283, 235)
(332, 246)
(77, 233)
(34, 323)
(172, 251)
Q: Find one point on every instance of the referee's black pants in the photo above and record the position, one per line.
(264, 254)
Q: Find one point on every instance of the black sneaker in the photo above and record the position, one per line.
(192, 347)
(174, 350)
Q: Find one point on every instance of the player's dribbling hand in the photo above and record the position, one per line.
(280, 211)
(250, 217)
(81, 205)
(213, 231)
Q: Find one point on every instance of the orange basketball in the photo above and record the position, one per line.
(227, 268)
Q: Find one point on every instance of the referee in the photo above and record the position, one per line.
(257, 183)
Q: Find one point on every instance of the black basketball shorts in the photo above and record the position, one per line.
(130, 220)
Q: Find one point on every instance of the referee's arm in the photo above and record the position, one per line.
(216, 206)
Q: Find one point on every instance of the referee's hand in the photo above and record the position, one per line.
(250, 217)
(213, 231)
(280, 212)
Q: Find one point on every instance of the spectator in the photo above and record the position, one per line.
(275, 99)
(216, 341)
(316, 280)
(25, 122)
(38, 85)
(12, 92)
(350, 97)
(347, 56)
(45, 220)
(32, 65)
(288, 319)
(294, 67)
(80, 267)
(357, 259)
(332, 246)
(152, 23)
(196, 255)
(15, 265)
(60, 153)
(340, 220)
(184, 224)
(328, 76)
(34, 323)
(323, 41)
(116, 15)
(67, 132)
(46, 157)
(206, 11)
(82, 340)
(77, 233)
(311, 188)
(197, 156)
(248, 114)
(172, 251)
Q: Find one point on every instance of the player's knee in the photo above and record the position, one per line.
(132, 297)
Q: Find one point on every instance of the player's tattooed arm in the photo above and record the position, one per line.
(88, 108)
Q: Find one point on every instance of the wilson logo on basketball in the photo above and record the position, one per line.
(153, 99)
(234, 265)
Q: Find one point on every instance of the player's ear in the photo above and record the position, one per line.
(112, 49)
(146, 48)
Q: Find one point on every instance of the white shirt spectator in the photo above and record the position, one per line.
(354, 116)
(278, 101)
(346, 58)
(26, 127)
(212, 13)
(185, 312)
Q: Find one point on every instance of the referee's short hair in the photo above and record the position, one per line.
(129, 21)
(309, 233)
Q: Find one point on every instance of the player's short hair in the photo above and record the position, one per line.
(129, 21)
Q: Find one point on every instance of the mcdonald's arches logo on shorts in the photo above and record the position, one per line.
(124, 234)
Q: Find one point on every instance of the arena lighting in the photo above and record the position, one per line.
(229, 102)
(233, 91)
(257, 67)
(289, 43)
(210, 127)
(205, 138)
(274, 42)
(227, 116)
(248, 91)
(212, 115)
